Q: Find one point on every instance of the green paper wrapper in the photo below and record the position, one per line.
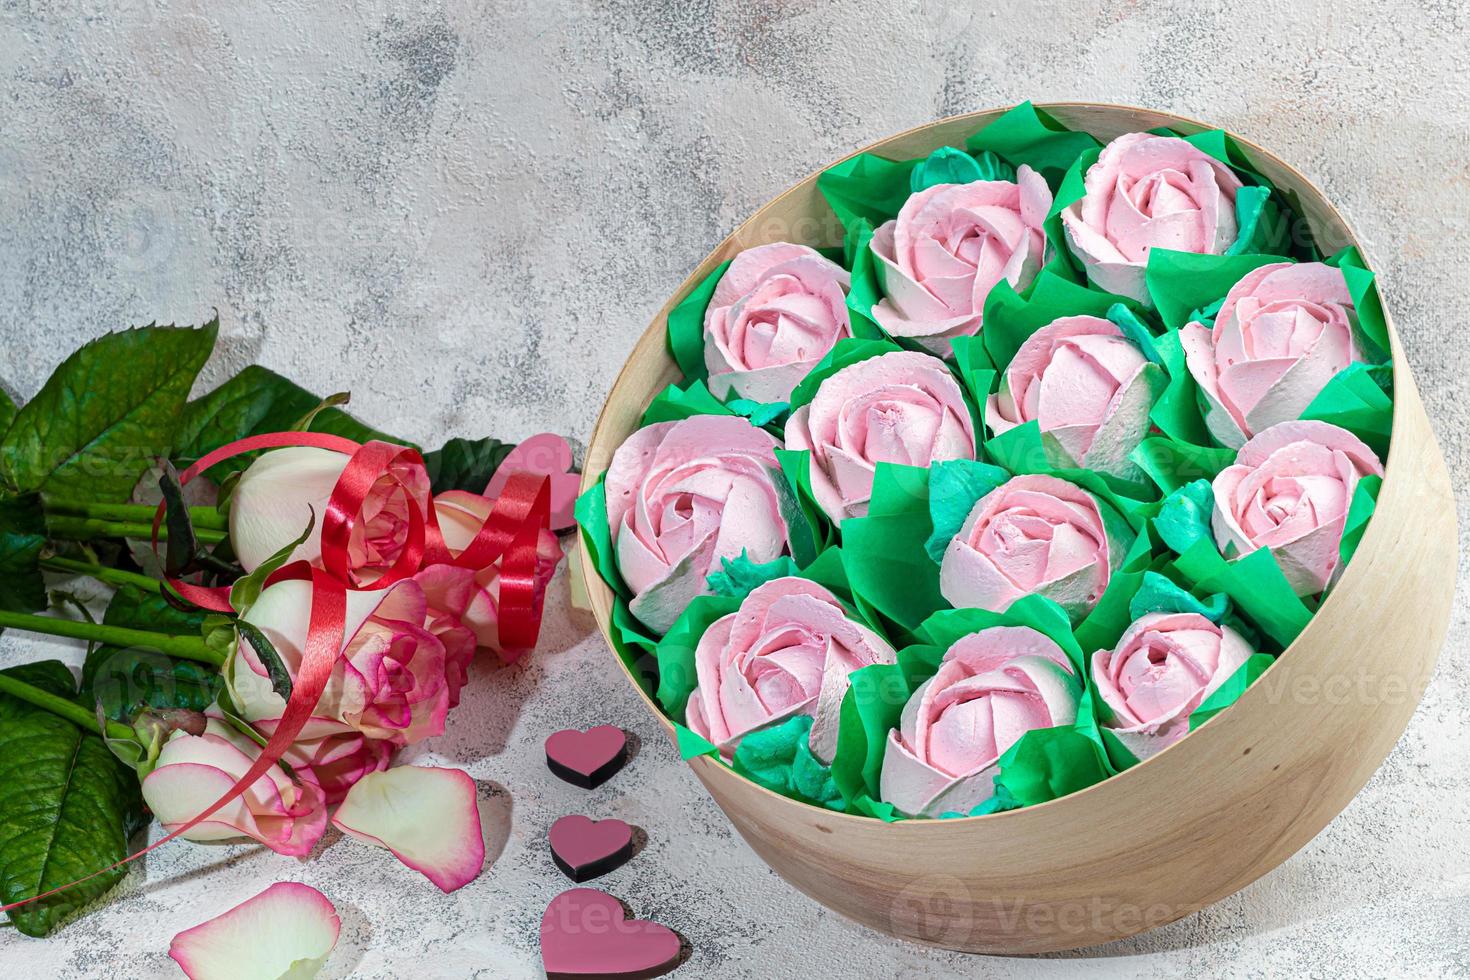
(686, 326)
(1031, 136)
(780, 759)
(1011, 317)
(886, 558)
(866, 187)
(1182, 283)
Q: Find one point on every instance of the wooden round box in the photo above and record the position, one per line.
(1195, 823)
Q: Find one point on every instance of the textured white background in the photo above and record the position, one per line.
(467, 213)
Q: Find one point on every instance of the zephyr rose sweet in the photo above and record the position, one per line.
(400, 671)
(1163, 668)
(992, 687)
(466, 597)
(1289, 490)
(775, 313)
(1088, 387)
(1281, 334)
(278, 493)
(287, 815)
(904, 407)
(1033, 534)
(787, 651)
(947, 249)
(1146, 192)
(683, 495)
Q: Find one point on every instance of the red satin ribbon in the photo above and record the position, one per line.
(509, 534)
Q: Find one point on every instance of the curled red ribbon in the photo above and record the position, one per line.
(509, 534)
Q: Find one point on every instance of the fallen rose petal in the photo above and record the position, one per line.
(284, 933)
(427, 816)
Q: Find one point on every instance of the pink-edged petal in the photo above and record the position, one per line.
(284, 933)
(427, 816)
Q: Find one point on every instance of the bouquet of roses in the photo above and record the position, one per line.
(1030, 478)
(297, 596)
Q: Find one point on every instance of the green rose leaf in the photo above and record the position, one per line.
(125, 680)
(7, 411)
(22, 535)
(252, 402)
(67, 807)
(106, 412)
(465, 464)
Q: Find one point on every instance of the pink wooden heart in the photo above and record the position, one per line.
(585, 849)
(547, 454)
(586, 934)
(588, 758)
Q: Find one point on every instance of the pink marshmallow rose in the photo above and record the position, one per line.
(1289, 490)
(1147, 192)
(1163, 668)
(193, 771)
(787, 651)
(775, 313)
(904, 407)
(1032, 534)
(400, 671)
(993, 687)
(949, 246)
(1282, 333)
(1087, 386)
(683, 495)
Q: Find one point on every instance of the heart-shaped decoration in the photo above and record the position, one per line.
(589, 758)
(585, 849)
(586, 934)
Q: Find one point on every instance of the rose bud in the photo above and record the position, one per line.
(949, 246)
(1163, 668)
(1282, 333)
(1289, 490)
(469, 598)
(1087, 386)
(396, 678)
(193, 771)
(682, 496)
(775, 313)
(337, 755)
(277, 494)
(787, 651)
(992, 687)
(1146, 192)
(904, 407)
(1032, 534)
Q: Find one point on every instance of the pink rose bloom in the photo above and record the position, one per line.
(683, 495)
(396, 678)
(904, 407)
(1163, 668)
(775, 313)
(195, 770)
(1282, 333)
(993, 687)
(949, 246)
(1088, 387)
(337, 755)
(466, 597)
(787, 651)
(278, 493)
(1289, 490)
(1032, 534)
(1147, 192)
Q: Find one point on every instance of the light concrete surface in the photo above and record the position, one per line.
(466, 213)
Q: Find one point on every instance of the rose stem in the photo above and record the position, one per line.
(84, 528)
(206, 518)
(112, 576)
(70, 710)
(175, 645)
